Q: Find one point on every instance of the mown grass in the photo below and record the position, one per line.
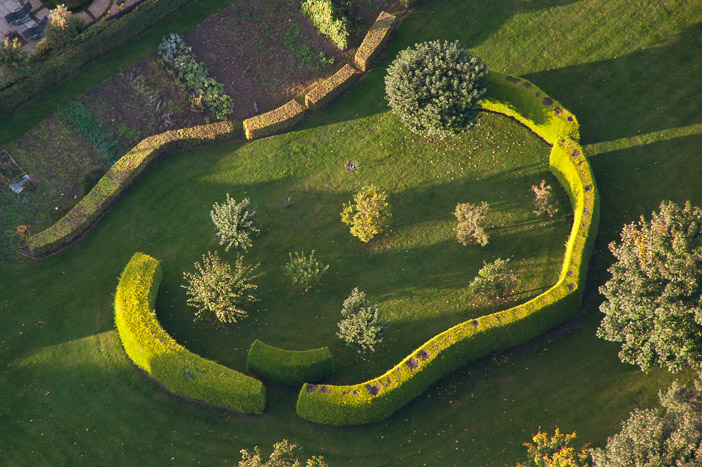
(70, 395)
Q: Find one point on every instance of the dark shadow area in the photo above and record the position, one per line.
(642, 92)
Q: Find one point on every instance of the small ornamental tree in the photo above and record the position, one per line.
(555, 451)
(219, 293)
(304, 272)
(61, 27)
(653, 301)
(368, 215)
(285, 454)
(544, 202)
(11, 53)
(235, 223)
(470, 223)
(362, 326)
(435, 88)
(494, 279)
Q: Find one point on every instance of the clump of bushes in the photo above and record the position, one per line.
(61, 27)
(219, 293)
(470, 219)
(284, 454)
(544, 202)
(494, 279)
(556, 450)
(435, 88)
(368, 215)
(235, 223)
(205, 92)
(362, 326)
(78, 117)
(11, 53)
(329, 20)
(304, 272)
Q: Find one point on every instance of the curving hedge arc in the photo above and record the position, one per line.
(290, 368)
(378, 398)
(150, 347)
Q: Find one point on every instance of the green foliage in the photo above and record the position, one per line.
(362, 326)
(83, 122)
(235, 223)
(205, 92)
(328, 20)
(169, 363)
(649, 438)
(61, 27)
(544, 201)
(368, 215)
(470, 219)
(285, 454)
(220, 294)
(436, 87)
(276, 120)
(324, 93)
(118, 178)
(653, 300)
(555, 451)
(372, 44)
(494, 279)
(304, 273)
(290, 368)
(11, 53)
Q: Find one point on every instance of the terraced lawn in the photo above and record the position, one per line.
(628, 72)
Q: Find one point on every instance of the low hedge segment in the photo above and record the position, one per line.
(118, 178)
(274, 121)
(95, 42)
(290, 368)
(377, 399)
(376, 37)
(330, 89)
(154, 351)
(526, 103)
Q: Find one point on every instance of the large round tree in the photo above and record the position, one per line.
(435, 88)
(653, 300)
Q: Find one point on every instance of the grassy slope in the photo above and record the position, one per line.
(67, 377)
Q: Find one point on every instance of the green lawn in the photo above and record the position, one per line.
(628, 71)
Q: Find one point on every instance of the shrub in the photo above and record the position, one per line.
(555, 451)
(285, 454)
(11, 53)
(82, 121)
(368, 215)
(362, 325)
(235, 223)
(544, 201)
(304, 273)
(328, 20)
(494, 279)
(291, 368)
(435, 88)
(653, 301)
(470, 218)
(61, 27)
(220, 294)
(169, 363)
(205, 92)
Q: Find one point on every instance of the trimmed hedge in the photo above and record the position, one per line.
(330, 89)
(154, 351)
(95, 42)
(118, 178)
(291, 368)
(376, 37)
(328, 21)
(274, 121)
(526, 103)
(377, 399)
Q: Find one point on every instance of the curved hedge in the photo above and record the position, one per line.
(291, 368)
(154, 351)
(377, 399)
(377, 36)
(274, 121)
(127, 169)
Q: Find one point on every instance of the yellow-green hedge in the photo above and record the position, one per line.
(274, 121)
(154, 351)
(117, 180)
(291, 368)
(376, 37)
(325, 92)
(377, 399)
